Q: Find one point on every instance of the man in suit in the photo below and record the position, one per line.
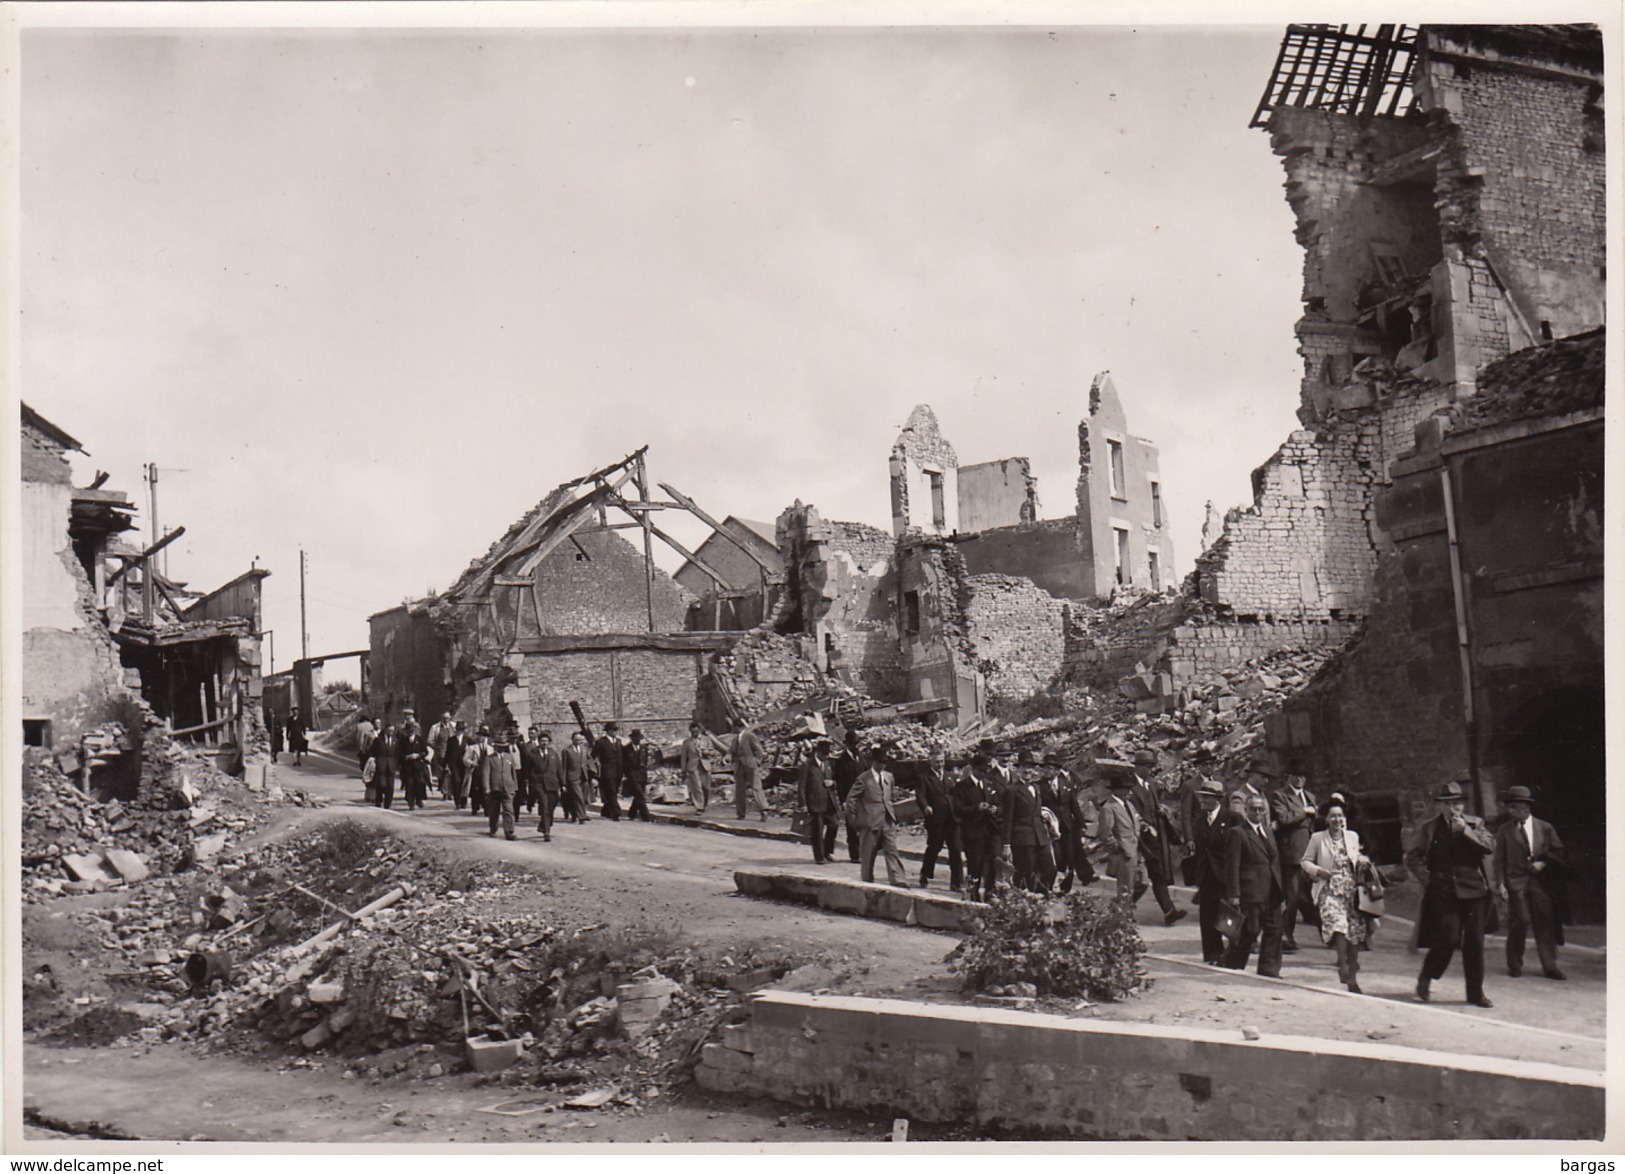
(935, 796)
(1209, 822)
(1021, 818)
(870, 808)
(692, 765)
(635, 771)
(455, 776)
(439, 737)
(386, 758)
(547, 769)
(1527, 867)
(1119, 831)
(606, 753)
(1063, 795)
(847, 763)
(1450, 855)
(1156, 843)
(818, 797)
(499, 771)
(976, 798)
(578, 772)
(747, 754)
(1293, 808)
(1252, 882)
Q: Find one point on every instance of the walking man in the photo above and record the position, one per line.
(848, 764)
(1021, 813)
(456, 778)
(942, 818)
(818, 797)
(439, 738)
(500, 767)
(635, 768)
(298, 742)
(1294, 810)
(692, 765)
(1252, 882)
(606, 753)
(386, 757)
(977, 800)
(414, 764)
(871, 810)
(474, 766)
(1208, 825)
(1451, 857)
(1156, 845)
(747, 752)
(1528, 869)
(365, 732)
(1120, 833)
(549, 769)
(578, 768)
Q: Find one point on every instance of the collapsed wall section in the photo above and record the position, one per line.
(1017, 633)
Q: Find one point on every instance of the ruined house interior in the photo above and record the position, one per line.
(110, 643)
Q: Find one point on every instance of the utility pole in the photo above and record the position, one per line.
(304, 635)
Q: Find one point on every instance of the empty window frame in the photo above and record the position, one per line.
(911, 613)
(939, 500)
(1156, 570)
(1120, 547)
(37, 731)
(1119, 479)
(1156, 503)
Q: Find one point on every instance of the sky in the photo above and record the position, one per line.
(372, 293)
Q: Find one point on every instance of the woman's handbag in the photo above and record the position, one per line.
(1371, 903)
(1228, 921)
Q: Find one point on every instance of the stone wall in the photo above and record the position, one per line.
(1094, 1080)
(1044, 552)
(921, 449)
(997, 493)
(1107, 505)
(596, 588)
(1201, 650)
(1018, 634)
(407, 666)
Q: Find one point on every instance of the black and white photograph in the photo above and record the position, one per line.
(1071, 537)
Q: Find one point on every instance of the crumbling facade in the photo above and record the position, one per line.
(747, 557)
(560, 609)
(924, 478)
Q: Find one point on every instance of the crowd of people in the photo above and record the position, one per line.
(1260, 862)
(1262, 859)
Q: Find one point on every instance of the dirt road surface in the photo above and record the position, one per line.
(680, 878)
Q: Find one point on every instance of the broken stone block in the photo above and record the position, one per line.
(127, 864)
(208, 847)
(325, 992)
(88, 867)
(493, 1055)
(316, 1036)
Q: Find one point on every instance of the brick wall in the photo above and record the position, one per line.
(407, 666)
(654, 690)
(1198, 650)
(600, 591)
(1018, 633)
(43, 460)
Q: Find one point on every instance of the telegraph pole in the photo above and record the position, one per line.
(304, 636)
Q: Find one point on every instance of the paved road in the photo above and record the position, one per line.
(684, 875)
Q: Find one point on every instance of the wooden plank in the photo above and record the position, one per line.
(692, 507)
(649, 528)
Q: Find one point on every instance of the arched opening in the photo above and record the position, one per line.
(1554, 745)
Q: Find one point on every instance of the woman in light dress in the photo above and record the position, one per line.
(1335, 865)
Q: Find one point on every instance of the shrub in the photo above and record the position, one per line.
(1083, 944)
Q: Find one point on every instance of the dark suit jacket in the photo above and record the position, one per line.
(1453, 865)
(1021, 814)
(607, 752)
(969, 794)
(817, 785)
(1513, 855)
(936, 800)
(548, 769)
(1252, 865)
(1293, 825)
(1209, 841)
(635, 762)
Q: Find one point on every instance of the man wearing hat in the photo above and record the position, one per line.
(1450, 856)
(1120, 833)
(1527, 867)
(1063, 795)
(871, 809)
(818, 797)
(499, 770)
(607, 753)
(1294, 809)
(976, 799)
(1156, 837)
(1025, 830)
(1208, 825)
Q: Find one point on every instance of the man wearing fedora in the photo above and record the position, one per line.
(1252, 883)
(1157, 836)
(1119, 831)
(1450, 856)
(1208, 826)
(1025, 830)
(1528, 868)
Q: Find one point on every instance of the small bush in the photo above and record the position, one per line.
(1083, 944)
(345, 844)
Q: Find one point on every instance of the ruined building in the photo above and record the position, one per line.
(1443, 493)
(561, 608)
(105, 632)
